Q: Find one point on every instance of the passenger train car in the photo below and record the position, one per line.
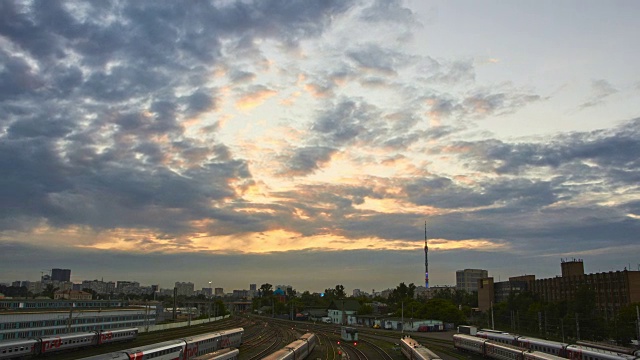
(574, 352)
(224, 354)
(411, 349)
(180, 349)
(530, 349)
(23, 348)
(497, 350)
(297, 350)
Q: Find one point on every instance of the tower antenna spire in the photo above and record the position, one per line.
(426, 258)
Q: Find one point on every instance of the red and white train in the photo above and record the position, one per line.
(24, 348)
(181, 349)
(567, 351)
(497, 350)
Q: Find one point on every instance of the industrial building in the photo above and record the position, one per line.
(614, 289)
(31, 318)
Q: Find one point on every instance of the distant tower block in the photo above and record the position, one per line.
(426, 258)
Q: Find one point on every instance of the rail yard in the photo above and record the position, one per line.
(264, 336)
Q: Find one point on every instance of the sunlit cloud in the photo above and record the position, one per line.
(251, 100)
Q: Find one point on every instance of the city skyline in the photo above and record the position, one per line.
(308, 143)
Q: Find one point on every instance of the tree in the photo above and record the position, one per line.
(365, 310)
(49, 291)
(266, 290)
(444, 310)
(626, 327)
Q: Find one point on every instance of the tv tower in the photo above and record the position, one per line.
(426, 258)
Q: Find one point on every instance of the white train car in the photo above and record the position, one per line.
(224, 354)
(111, 336)
(51, 344)
(499, 351)
(576, 352)
(230, 338)
(545, 346)
(412, 349)
(296, 350)
(537, 355)
(469, 343)
(501, 337)
(11, 349)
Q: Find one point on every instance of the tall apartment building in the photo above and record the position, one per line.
(185, 288)
(467, 279)
(60, 275)
(99, 286)
(613, 290)
(218, 292)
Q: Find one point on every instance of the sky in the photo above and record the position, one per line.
(308, 143)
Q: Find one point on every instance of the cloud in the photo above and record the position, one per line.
(254, 97)
(601, 153)
(601, 90)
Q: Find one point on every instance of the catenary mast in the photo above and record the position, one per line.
(426, 258)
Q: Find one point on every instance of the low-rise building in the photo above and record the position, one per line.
(343, 311)
(72, 295)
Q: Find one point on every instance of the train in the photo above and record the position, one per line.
(560, 349)
(43, 345)
(498, 350)
(297, 350)
(411, 349)
(187, 348)
(530, 349)
(224, 354)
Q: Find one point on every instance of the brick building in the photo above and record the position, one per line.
(613, 290)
